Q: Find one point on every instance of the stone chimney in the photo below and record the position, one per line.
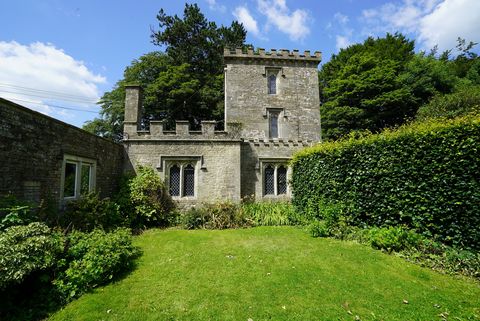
(133, 110)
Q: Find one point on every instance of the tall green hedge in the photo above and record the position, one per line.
(425, 175)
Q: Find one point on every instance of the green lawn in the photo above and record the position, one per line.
(272, 273)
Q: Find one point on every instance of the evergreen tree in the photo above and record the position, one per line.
(183, 83)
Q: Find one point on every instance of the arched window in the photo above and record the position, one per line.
(188, 180)
(269, 180)
(281, 180)
(272, 84)
(174, 180)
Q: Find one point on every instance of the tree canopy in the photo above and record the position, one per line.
(379, 83)
(184, 82)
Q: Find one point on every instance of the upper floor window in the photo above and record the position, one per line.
(181, 180)
(272, 84)
(273, 116)
(78, 176)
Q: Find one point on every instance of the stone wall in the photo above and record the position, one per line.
(217, 165)
(256, 155)
(32, 150)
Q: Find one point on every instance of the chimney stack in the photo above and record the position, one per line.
(133, 109)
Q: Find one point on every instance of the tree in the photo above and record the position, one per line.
(196, 41)
(377, 84)
(184, 82)
(142, 71)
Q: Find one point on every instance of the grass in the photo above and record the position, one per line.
(273, 273)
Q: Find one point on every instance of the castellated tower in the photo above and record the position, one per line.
(271, 111)
(273, 95)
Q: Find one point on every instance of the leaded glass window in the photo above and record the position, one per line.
(188, 180)
(272, 84)
(281, 180)
(269, 180)
(174, 180)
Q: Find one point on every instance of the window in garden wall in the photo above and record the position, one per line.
(78, 176)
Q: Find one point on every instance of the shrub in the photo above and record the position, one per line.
(393, 238)
(319, 229)
(91, 212)
(14, 212)
(271, 213)
(93, 259)
(462, 102)
(26, 249)
(220, 215)
(144, 200)
(422, 176)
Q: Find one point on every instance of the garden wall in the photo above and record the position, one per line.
(425, 176)
(32, 153)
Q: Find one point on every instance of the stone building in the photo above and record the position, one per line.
(44, 158)
(271, 111)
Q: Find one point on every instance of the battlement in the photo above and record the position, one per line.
(281, 54)
(182, 132)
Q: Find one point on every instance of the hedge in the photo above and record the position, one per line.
(424, 176)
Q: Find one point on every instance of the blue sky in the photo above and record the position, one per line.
(66, 54)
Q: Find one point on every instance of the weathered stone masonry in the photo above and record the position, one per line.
(271, 111)
(33, 148)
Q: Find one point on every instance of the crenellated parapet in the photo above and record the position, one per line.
(133, 118)
(182, 131)
(281, 54)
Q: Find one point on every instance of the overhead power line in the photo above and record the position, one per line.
(34, 91)
(53, 106)
(48, 96)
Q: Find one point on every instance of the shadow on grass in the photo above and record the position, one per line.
(36, 297)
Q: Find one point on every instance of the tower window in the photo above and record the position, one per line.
(272, 84)
(273, 124)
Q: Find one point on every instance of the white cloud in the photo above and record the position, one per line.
(449, 20)
(341, 18)
(39, 74)
(342, 42)
(432, 22)
(293, 23)
(340, 26)
(213, 5)
(243, 16)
